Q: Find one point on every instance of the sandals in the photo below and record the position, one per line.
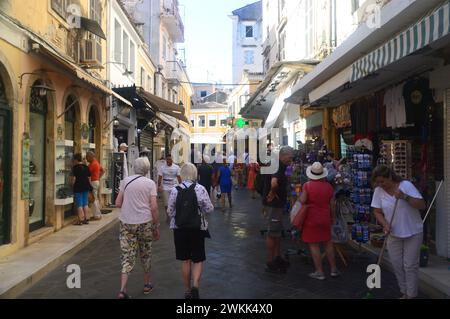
(78, 223)
(148, 289)
(123, 295)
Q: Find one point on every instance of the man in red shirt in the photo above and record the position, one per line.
(96, 173)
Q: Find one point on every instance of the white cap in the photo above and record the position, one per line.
(124, 145)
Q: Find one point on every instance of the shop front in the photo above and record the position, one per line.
(5, 167)
(391, 108)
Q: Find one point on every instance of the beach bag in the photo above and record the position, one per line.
(299, 218)
(339, 231)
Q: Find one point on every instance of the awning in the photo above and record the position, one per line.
(92, 26)
(164, 106)
(72, 68)
(395, 15)
(280, 75)
(429, 29)
(207, 138)
(122, 99)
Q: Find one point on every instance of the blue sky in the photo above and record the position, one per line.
(208, 38)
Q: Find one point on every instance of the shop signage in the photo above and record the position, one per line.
(60, 132)
(25, 166)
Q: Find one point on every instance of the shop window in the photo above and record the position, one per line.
(193, 120)
(37, 125)
(203, 93)
(69, 118)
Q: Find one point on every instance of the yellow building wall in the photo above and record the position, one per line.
(38, 17)
(145, 62)
(208, 129)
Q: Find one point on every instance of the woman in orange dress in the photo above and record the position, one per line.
(253, 169)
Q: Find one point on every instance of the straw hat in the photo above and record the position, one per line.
(316, 171)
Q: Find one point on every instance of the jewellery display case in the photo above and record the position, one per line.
(63, 170)
(107, 181)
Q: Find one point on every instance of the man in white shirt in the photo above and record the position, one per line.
(158, 165)
(168, 178)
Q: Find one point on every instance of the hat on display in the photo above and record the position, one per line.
(316, 171)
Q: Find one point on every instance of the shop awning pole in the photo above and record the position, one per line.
(432, 202)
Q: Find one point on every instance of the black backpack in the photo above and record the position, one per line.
(187, 215)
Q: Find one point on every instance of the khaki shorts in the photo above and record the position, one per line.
(274, 221)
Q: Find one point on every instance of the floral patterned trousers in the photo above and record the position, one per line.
(136, 239)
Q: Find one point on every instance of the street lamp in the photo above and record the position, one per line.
(42, 89)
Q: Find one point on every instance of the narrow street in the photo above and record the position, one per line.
(235, 266)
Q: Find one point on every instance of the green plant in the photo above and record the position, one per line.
(424, 247)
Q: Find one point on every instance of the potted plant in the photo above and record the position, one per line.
(424, 253)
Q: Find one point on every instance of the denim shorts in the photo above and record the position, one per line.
(81, 199)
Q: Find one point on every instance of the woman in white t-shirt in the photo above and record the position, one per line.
(406, 233)
(139, 223)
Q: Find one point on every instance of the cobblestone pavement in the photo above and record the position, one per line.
(235, 266)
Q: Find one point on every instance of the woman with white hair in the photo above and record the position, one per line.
(139, 223)
(192, 200)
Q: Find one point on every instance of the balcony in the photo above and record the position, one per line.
(174, 72)
(170, 17)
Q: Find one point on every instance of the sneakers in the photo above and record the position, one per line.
(317, 275)
(195, 293)
(336, 273)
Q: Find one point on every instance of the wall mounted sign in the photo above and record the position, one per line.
(25, 166)
(84, 131)
(60, 132)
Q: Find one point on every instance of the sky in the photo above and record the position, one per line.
(208, 38)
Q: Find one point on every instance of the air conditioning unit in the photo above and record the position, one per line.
(90, 53)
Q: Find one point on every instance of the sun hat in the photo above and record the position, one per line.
(316, 171)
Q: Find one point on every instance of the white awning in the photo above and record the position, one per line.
(207, 138)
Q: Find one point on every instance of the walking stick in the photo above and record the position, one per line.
(383, 249)
(432, 202)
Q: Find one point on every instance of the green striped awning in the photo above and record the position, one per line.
(427, 30)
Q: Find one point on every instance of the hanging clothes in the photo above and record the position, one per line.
(418, 97)
(395, 107)
(359, 116)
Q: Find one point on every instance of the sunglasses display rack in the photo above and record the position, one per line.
(360, 160)
(398, 155)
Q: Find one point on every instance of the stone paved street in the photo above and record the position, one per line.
(235, 266)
